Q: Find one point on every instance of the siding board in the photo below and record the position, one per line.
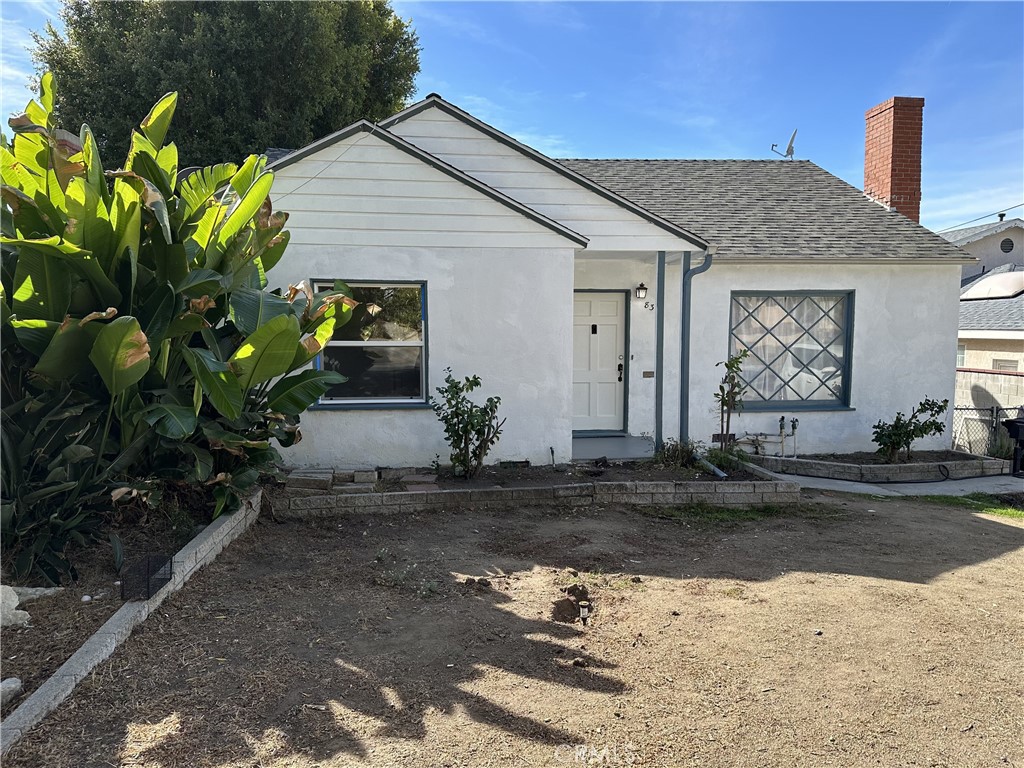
(377, 195)
(608, 225)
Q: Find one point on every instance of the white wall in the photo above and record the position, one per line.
(499, 300)
(609, 226)
(904, 346)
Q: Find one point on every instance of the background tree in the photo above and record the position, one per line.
(250, 75)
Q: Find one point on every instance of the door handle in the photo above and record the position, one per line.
(620, 371)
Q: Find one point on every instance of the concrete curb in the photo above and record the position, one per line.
(201, 551)
(771, 490)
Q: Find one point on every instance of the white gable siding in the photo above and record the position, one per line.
(610, 227)
(362, 191)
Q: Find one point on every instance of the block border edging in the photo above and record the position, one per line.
(770, 488)
(969, 467)
(198, 553)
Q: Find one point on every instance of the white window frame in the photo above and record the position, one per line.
(321, 285)
(961, 355)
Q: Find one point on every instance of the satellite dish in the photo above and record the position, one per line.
(789, 148)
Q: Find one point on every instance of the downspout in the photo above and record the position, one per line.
(659, 341)
(684, 347)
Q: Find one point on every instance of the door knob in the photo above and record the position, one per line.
(620, 371)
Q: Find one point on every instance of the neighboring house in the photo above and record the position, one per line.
(993, 244)
(990, 348)
(596, 297)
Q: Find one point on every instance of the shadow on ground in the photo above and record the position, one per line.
(316, 640)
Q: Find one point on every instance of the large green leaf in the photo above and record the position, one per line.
(200, 282)
(89, 225)
(67, 354)
(203, 467)
(220, 385)
(312, 345)
(93, 164)
(249, 309)
(80, 260)
(42, 286)
(157, 312)
(158, 120)
(126, 217)
(121, 354)
(267, 353)
(294, 394)
(247, 173)
(34, 335)
(175, 422)
(244, 210)
(200, 185)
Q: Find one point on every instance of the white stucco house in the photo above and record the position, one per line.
(596, 296)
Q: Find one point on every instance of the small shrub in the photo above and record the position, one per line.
(730, 395)
(470, 429)
(676, 455)
(900, 434)
(727, 460)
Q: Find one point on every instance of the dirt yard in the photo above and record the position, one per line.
(852, 632)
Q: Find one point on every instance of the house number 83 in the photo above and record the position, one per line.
(649, 305)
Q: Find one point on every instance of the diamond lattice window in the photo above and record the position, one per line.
(799, 347)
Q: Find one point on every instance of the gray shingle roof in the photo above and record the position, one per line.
(992, 314)
(276, 153)
(767, 208)
(967, 235)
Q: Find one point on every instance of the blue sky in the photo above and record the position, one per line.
(713, 80)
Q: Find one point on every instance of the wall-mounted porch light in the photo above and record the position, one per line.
(641, 291)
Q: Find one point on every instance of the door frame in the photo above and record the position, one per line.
(626, 310)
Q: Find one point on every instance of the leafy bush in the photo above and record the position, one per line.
(900, 434)
(470, 429)
(137, 298)
(726, 459)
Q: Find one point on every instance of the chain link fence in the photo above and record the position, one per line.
(980, 430)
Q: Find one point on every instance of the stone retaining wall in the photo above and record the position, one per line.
(969, 466)
(730, 494)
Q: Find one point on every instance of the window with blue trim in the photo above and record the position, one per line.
(382, 350)
(798, 348)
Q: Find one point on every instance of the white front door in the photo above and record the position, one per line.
(598, 361)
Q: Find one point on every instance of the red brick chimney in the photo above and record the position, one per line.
(892, 155)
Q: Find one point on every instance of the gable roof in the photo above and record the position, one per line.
(776, 209)
(967, 235)
(631, 204)
(434, 162)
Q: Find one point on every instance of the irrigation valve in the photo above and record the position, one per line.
(584, 606)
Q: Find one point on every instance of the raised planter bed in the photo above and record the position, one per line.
(957, 467)
(665, 492)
